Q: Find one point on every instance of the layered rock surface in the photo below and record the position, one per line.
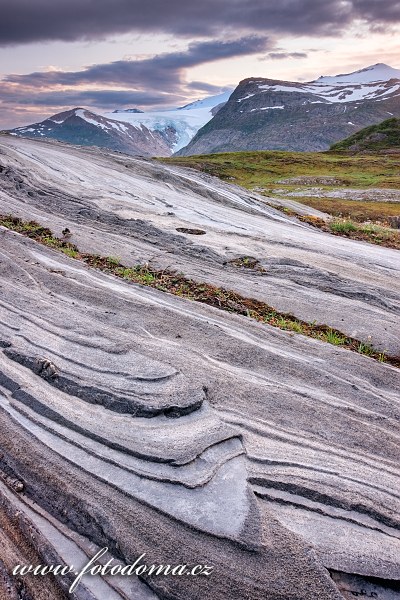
(144, 422)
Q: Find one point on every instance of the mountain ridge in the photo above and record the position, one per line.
(271, 114)
(85, 128)
(131, 130)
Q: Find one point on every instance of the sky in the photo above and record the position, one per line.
(107, 54)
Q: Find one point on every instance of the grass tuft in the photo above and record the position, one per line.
(368, 232)
(332, 337)
(342, 226)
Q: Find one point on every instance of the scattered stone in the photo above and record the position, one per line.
(190, 231)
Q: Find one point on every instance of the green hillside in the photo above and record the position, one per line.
(383, 136)
(277, 170)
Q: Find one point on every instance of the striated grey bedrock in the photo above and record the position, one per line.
(149, 424)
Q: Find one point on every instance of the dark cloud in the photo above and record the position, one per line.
(285, 55)
(202, 86)
(164, 71)
(150, 82)
(377, 11)
(24, 21)
(95, 98)
(19, 106)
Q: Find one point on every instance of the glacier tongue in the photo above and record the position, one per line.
(186, 121)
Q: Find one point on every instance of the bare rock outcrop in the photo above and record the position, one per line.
(147, 423)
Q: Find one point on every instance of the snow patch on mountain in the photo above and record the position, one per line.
(83, 114)
(378, 72)
(245, 98)
(371, 83)
(209, 102)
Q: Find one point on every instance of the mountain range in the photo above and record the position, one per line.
(260, 114)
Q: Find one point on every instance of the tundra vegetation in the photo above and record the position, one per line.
(321, 180)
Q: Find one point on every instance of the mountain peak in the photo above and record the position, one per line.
(380, 70)
(377, 72)
(209, 102)
(72, 112)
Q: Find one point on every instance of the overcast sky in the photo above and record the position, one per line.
(103, 54)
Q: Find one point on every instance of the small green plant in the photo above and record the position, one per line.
(365, 348)
(295, 326)
(114, 260)
(269, 316)
(70, 252)
(332, 337)
(146, 278)
(144, 275)
(51, 241)
(281, 322)
(342, 226)
(248, 262)
(125, 272)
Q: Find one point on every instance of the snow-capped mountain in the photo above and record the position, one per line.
(178, 126)
(271, 114)
(83, 127)
(372, 83)
(378, 72)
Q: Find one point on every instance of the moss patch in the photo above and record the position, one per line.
(364, 232)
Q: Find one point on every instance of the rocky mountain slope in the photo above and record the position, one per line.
(271, 114)
(384, 136)
(85, 128)
(148, 423)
